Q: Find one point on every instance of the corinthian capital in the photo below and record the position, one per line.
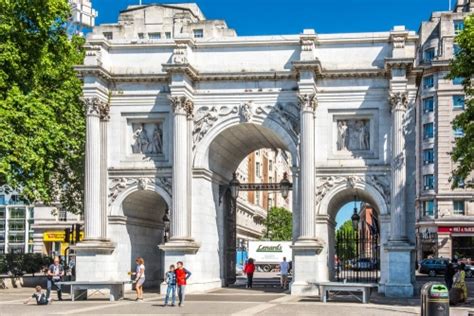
(182, 105)
(104, 110)
(92, 106)
(398, 101)
(307, 101)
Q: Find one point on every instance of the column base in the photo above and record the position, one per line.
(401, 270)
(184, 246)
(304, 289)
(94, 246)
(305, 266)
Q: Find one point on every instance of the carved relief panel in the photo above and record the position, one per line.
(147, 138)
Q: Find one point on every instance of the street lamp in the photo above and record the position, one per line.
(355, 217)
(234, 186)
(166, 222)
(285, 186)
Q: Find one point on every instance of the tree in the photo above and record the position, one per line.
(345, 239)
(278, 224)
(462, 66)
(42, 123)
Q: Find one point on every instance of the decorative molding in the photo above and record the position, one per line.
(119, 185)
(180, 54)
(206, 117)
(307, 102)
(287, 115)
(182, 105)
(104, 111)
(325, 184)
(245, 111)
(398, 101)
(95, 106)
(398, 40)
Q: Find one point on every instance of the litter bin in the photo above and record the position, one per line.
(434, 299)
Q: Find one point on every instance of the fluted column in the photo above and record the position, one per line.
(398, 102)
(307, 216)
(104, 120)
(92, 196)
(180, 217)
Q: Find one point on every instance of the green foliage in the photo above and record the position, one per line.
(42, 123)
(345, 237)
(278, 224)
(463, 66)
(19, 264)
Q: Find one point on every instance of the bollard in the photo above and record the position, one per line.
(434, 299)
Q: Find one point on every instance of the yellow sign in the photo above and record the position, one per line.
(58, 235)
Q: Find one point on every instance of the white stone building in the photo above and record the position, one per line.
(175, 102)
(445, 226)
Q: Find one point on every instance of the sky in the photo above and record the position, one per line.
(267, 17)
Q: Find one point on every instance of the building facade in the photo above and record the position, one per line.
(445, 216)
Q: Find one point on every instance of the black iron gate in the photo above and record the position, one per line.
(357, 256)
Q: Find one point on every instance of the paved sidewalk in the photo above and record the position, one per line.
(233, 301)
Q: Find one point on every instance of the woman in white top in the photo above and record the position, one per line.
(139, 277)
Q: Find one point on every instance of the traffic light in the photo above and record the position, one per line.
(78, 232)
(67, 235)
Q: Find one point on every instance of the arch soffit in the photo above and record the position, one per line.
(116, 207)
(369, 190)
(202, 148)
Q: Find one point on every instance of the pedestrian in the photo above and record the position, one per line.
(249, 270)
(40, 297)
(55, 275)
(171, 288)
(460, 281)
(284, 270)
(139, 278)
(182, 274)
(449, 274)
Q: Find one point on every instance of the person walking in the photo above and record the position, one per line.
(284, 270)
(55, 275)
(249, 270)
(460, 281)
(171, 288)
(449, 274)
(139, 278)
(182, 275)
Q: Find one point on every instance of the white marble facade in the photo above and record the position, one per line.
(206, 98)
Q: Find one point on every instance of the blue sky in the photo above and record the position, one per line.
(260, 17)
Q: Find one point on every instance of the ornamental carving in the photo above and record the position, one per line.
(246, 111)
(204, 120)
(307, 102)
(379, 182)
(104, 110)
(93, 106)
(180, 54)
(398, 100)
(398, 41)
(287, 115)
(147, 138)
(307, 44)
(182, 105)
(118, 185)
(353, 135)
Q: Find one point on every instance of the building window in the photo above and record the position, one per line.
(428, 131)
(257, 198)
(428, 182)
(108, 35)
(141, 35)
(458, 102)
(428, 55)
(62, 215)
(198, 33)
(2, 199)
(428, 82)
(168, 35)
(428, 208)
(456, 49)
(428, 156)
(458, 207)
(2, 213)
(257, 169)
(458, 132)
(154, 36)
(428, 105)
(270, 165)
(458, 26)
(270, 179)
(458, 80)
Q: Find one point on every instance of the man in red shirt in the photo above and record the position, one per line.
(181, 276)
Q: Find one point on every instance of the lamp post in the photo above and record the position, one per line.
(355, 217)
(234, 186)
(355, 225)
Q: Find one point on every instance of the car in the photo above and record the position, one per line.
(365, 264)
(469, 271)
(433, 266)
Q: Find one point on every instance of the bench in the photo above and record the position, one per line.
(79, 288)
(365, 288)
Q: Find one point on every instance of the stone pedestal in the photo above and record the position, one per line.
(400, 269)
(305, 268)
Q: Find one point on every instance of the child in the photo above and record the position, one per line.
(171, 289)
(40, 296)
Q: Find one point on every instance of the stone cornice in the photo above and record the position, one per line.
(182, 68)
(360, 73)
(100, 72)
(403, 63)
(314, 65)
